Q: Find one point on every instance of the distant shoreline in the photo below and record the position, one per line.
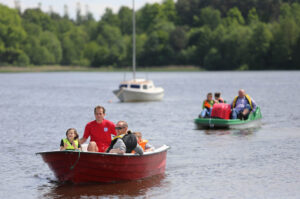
(33, 69)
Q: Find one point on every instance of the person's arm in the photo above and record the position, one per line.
(62, 146)
(85, 136)
(82, 140)
(113, 129)
(79, 146)
(138, 149)
(119, 147)
(118, 151)
(74, 145)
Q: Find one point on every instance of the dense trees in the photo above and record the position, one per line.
(212, 34)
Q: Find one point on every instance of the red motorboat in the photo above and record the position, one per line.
(79, 167)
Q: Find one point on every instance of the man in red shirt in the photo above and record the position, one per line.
(100, 131)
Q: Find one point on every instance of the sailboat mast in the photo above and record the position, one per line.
(133, 40)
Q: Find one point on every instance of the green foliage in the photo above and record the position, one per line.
(201, 38)
(286, 35)
(187, 10)
(158, 50)
(212, 34)
(234, 17)
(252, 16)
(179, 38)
(213, 59)
(112, 45)
(125, 16)
(110, 18)
(169, 10)
(52, 45)
(148, 17)
(12, 35)
(72, 43)
(259, 46)
(208, 16)
(234, 47)
(36, 16)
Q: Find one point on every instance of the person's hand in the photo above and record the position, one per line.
(74, 145)
(118, 151)
(65, 145)
(151, 149)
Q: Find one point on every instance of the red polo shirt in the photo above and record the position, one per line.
(100, 133)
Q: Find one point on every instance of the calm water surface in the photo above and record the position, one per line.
(37, 108)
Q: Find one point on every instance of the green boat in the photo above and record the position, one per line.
(253, 121)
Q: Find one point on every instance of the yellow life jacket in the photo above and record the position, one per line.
(248, 98)
(69, 145)
(129, 140)
(118, 136)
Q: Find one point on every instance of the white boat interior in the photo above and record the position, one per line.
(156, 150)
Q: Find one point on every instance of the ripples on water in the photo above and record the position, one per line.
(37, 108)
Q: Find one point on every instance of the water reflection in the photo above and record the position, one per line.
(123, 189)
(237, 132)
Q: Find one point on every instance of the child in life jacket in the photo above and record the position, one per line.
(207, 106)
(71, 141)
(143, 143)
(218, 98)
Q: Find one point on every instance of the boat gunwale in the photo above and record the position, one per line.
(165, 148)
(222, 121)
(219, 121)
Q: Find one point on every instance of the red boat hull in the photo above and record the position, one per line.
(79, 167)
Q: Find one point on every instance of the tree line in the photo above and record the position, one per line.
(211, 34)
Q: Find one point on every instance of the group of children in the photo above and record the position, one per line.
(71, 142)
(209, 102)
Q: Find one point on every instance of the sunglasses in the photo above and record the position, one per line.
(119, 128)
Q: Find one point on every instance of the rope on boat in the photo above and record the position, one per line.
(73, 166)
(209, 122)
(120, 92)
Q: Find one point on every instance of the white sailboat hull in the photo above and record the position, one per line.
(134, 95)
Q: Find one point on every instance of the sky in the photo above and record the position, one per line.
(96, 7)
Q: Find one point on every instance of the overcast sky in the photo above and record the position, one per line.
(96, 7)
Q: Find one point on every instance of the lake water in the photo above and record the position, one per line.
(37, 108)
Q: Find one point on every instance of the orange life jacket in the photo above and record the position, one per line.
(142, 144)
(207, 104)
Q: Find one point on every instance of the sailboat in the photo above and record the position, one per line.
(137, 90)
